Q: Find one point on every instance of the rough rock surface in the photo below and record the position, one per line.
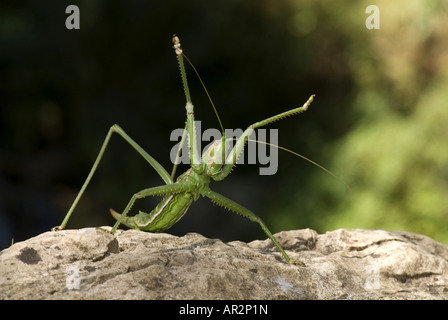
(342, 264)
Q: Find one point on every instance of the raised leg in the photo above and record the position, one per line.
(238, 148)
(115, 128)
(232, 205)
(189, 125)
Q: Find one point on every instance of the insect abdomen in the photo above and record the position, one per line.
(165, 214)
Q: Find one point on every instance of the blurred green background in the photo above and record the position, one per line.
(379, 120)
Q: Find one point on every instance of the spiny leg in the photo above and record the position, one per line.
(189, 125)
(117, 129)
(154, 191)
(238, 148)
(232, 205)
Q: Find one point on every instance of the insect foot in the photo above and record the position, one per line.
(297, 263)
(105, 230)
(58, 228)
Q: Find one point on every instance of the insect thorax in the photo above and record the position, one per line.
(197, 181)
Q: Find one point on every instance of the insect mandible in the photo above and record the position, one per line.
(215, 164)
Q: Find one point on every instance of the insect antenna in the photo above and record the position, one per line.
(306, 159)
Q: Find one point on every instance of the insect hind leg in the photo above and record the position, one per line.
(232, 205)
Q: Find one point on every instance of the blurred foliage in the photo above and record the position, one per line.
(395, 158)
(377, 122)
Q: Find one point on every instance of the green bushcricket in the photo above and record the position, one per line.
(189, 186)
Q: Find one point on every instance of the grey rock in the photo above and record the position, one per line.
(342, 264)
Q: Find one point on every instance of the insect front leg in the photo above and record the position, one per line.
(232, 205)
(114, 129)
(189, 125)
